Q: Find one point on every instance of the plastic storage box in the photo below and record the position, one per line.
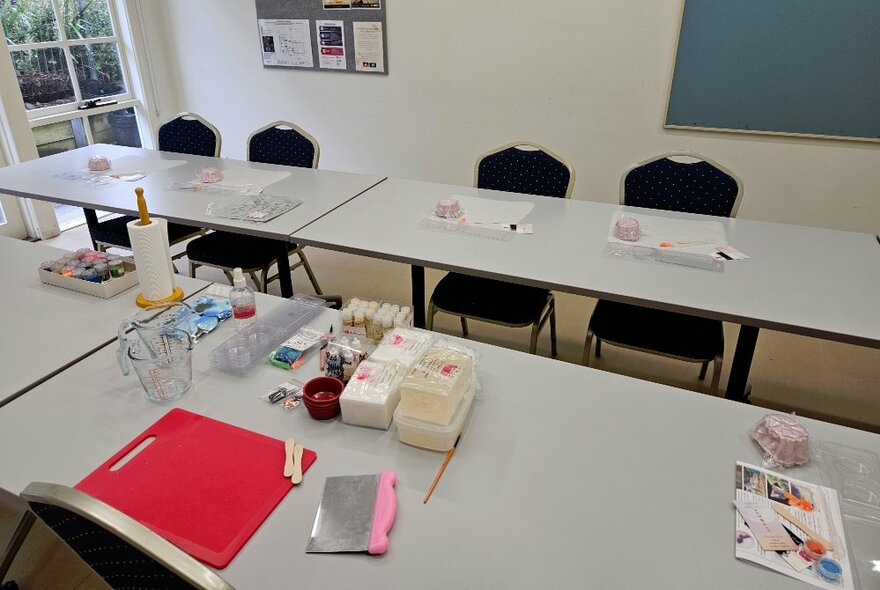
(428, 435)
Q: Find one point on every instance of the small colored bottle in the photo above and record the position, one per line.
(117, 268)
(358, 321)
(67, 270)
(347, 318)
(90, 275)
(244, 304)
(369, 315)
(103, 271)
(387, 324)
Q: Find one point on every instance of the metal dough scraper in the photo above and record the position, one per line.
(356, 513)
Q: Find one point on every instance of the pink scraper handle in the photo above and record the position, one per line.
(384, 513)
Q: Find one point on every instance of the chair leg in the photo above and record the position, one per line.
(464, 327)
(228, 276)
(553, 351)
(533, 342)
(598, 347)
(429, 321)
(308, 267)
(192, 269)
(703, 369)
(266, 279)
(716, 374)
(587, 345)
(256, 282)
(17, 540)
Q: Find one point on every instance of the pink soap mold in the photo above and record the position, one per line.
(99, 163)
(209, 175)
(448, 209)
(785, 442)
(627, 229)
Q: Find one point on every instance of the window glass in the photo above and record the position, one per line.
(43, 77)
(97, 70)
(28, 21)
(60, 137)
(117, 127)
(86, 19)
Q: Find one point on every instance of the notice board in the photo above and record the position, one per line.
(803, 67)
(324, 35)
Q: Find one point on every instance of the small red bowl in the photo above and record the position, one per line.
(321, 397)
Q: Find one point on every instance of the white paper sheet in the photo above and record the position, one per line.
(758, 485)
(252, 180)
(139, 164)
(331, 44)
(488, 213)
(369, 54)
(286, 42)
(685, 236)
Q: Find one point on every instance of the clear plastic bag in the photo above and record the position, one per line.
(785, 442)
(433, 389)
(403, 345)
(372, 394)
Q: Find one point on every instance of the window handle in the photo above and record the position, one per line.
(95, 103)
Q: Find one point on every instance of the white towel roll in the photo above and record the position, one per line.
(152, 257)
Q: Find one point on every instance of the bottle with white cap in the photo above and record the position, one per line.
(244, 304)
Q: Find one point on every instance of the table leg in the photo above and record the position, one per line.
(91, 221)
(418, 295)
(284, 270)
(742, 363)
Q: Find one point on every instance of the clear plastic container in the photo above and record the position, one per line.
(428, 435)
(254, 343)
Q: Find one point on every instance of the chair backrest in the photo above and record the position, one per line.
(682, 181)
(524, 167)
(123, 552)
(188, 133)
(284, 143)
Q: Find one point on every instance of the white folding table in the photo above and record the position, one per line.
(320, 191)
(810, 281)
(565, 477)
(47, 328)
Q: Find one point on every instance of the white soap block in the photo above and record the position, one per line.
(403, 346)
(432, 390)
(371, 395)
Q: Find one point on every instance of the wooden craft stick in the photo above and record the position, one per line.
(787, 515)
(297, 475)
(289, 445)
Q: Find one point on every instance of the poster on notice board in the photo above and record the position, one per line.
(343, 36)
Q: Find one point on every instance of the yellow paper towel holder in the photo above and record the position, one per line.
(177, 294)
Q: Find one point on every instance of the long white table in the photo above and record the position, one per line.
(321, 191)
(47, 328)
(566, 477)
(810, 281)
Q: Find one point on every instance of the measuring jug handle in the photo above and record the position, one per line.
(122, 350)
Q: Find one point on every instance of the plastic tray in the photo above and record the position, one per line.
(253, 344)
(428, 435)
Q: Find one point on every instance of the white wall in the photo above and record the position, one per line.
(587, 78)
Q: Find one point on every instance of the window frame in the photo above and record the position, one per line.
(65, 112)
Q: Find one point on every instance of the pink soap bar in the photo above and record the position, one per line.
(448, 209)
(210, 175)
(99, 163)
(783, 439)
(627, 229)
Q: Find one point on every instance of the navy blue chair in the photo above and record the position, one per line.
(122, 551)
(281, 143)
(187, 133)
(520, 167)
(676, 181)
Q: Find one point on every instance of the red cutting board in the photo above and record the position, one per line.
(204, 485)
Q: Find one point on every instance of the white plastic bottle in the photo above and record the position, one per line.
(244, 305)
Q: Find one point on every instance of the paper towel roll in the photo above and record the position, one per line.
(152, 256)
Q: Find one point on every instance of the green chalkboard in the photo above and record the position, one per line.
(785, 66)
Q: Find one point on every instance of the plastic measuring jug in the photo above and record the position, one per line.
(163, 364)
(148, 328)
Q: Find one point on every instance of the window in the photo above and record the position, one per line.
(75, 85)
